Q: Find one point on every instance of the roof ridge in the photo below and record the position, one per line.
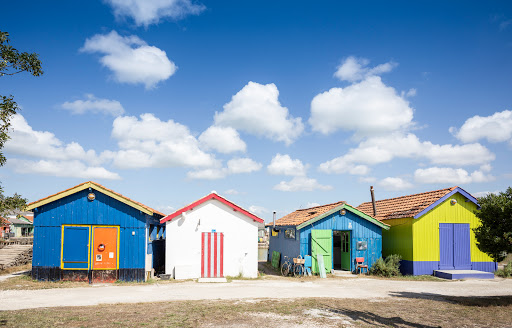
(421, 193)
(309, 208)
(115, 192)
(211, 196)
(101, 186)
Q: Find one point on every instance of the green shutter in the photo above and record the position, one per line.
(321, 243)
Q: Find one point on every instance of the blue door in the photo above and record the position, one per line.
(75, 247)
(461, 247)
(454, 246)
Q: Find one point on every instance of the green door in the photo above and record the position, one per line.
(345, 250)
(321, 243)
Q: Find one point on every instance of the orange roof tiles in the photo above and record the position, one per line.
(404, 206)
(110, 190)
(303, 215)
(4, 222)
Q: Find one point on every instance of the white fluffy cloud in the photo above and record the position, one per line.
(207, 174)
(301, 184)
(94, 105)
(146, 12)
(285, 165)
(308, 205)
(383, 149)
(234, 166)
(74, 169)
(243, 165)
(131, 59)
(149, 142)
(381, 121)
(395, 184)
(355, 69)
(222, 139)
(258, 210)
(165, 208)
(450, 175)
(43, 144)
(367, 108)
(53, 157)
(494, 128)
(340, 165)
(484, 193)
(256, 110)
(411, 93)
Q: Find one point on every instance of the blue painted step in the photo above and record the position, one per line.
(463, 274)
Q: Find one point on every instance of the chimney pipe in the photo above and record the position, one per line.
(274, 220)
(373, 201)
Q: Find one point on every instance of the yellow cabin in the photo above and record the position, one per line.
(432, 231)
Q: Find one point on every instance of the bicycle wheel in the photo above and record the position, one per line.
(298, 271)
(285, 269)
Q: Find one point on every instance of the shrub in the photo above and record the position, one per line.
(506, 272)
(387, 268)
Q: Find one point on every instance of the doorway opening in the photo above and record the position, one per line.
(341, 250)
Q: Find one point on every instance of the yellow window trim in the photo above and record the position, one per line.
(118, 243)
(62, 247)
(91, 241)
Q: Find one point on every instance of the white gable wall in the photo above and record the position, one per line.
(183, 240)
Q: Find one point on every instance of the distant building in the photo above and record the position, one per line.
(5, 227)
(21, 227)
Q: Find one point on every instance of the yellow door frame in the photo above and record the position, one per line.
(91, 255)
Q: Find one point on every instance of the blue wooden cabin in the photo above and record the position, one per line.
(91, 233)
(338, 231)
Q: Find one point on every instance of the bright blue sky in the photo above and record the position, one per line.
(276, 105)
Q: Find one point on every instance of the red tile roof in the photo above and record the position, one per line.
(110, 190)
(404, 206)
(303, 215)
(4, 222)
(29, 217)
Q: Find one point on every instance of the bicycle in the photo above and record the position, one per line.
(298, 267)
(286, 266)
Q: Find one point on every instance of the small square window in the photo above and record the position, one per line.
(289, 233)
(361, 245)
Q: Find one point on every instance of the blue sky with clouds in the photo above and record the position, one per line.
(276, 105)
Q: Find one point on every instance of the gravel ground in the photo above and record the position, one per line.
(362, 288)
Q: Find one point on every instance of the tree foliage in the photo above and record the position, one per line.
(11, 203)
(12, 62)
(494, 235)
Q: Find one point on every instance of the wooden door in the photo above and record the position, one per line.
(454, 246)
(345, 250)
(212, 255)
(75, 247)
(321, 243)
(105, 248)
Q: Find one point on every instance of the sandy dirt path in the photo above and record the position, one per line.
(362, 288)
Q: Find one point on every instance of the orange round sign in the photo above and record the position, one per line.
(101, 247)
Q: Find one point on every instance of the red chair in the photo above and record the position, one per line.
(360, 264)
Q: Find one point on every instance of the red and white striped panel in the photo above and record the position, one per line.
(212, 250)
